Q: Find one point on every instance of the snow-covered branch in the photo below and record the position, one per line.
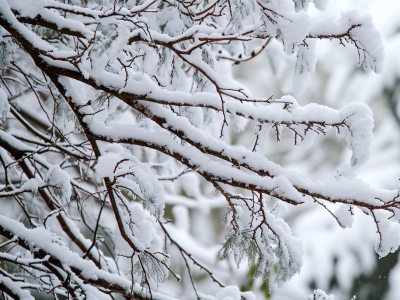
(108, 107)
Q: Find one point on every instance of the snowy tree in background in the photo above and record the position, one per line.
(119, 127)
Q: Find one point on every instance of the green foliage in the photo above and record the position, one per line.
(265, 286)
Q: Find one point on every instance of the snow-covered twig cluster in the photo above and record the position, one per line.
(106, 103)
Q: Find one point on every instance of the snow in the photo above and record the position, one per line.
(228, 293)
(320, 295)
(4, 106)
(120, 166)
(30, 185)
(389, 234)
(364, 36)
(25, 9)
(58, 181)
(173, 109)
(305, 64)
(16, 288)
(40, 238)
(344, 216)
